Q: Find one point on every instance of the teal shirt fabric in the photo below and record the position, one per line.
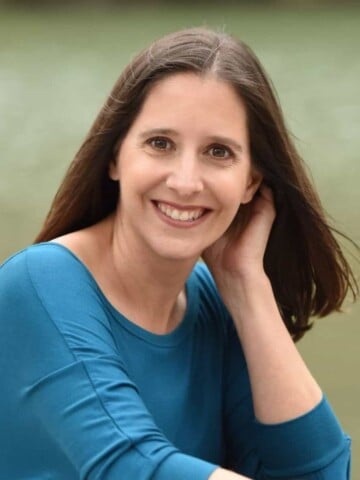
(87, 394)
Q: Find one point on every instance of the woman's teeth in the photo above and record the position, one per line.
(182, 215)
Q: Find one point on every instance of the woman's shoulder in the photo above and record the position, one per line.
(205, 282)
(46, 267)
(48, 279)
(42, 257)
(212, 310)
(208, 295)
(202, 275)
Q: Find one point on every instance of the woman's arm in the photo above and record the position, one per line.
(295, 432)
(278, 375)
(68, 391)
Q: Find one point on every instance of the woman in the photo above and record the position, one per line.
(128, 358)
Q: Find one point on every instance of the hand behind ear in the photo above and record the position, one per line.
(242, 248)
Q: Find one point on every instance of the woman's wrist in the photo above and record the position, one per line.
(243, 293)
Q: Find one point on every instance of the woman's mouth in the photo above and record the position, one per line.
(180, 214)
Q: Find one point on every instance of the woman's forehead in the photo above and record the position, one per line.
(193, 99)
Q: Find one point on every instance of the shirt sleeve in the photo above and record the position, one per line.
(309, 447)
(72, 378)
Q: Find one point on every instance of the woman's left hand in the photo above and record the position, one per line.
(242, 255)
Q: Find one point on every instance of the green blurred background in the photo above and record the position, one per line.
(58, 64)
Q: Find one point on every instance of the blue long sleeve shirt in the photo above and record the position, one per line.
(87, 394)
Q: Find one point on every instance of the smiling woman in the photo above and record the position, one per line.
(195, 183)
(128, 357)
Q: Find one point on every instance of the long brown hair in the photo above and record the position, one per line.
(308, 271)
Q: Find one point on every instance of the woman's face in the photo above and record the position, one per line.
(184, 167)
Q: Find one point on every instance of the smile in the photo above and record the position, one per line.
(180, 215)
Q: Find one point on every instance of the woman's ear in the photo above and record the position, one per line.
(113, 165)
(254, 182)
(113, 170)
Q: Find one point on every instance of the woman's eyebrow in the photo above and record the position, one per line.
(158, 131)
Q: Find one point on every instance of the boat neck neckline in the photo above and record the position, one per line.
(167, 339)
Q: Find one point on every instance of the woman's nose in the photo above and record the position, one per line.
(185, 178)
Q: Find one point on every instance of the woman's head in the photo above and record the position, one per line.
(201, 51)
(185, 157)
(294, 260)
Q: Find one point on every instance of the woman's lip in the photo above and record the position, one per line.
(181, 207)
(180, 223)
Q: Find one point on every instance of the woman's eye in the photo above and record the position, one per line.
(160, 143)
(219, 151)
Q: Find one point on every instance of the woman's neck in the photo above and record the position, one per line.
(145, 288)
